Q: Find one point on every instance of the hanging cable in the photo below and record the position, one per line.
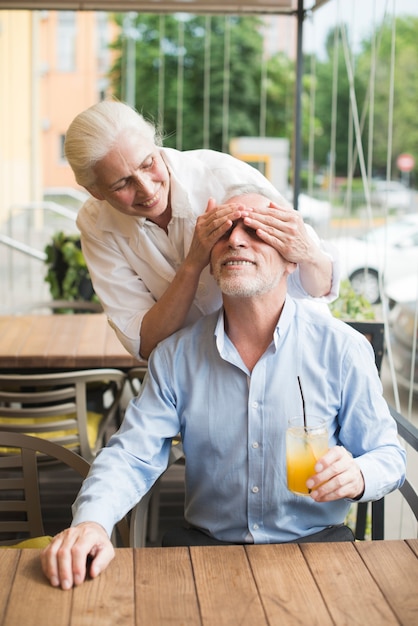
(332, 155)
(263, 92)
(161, 73)
(226, 84)
(180, 84)
(206, 84)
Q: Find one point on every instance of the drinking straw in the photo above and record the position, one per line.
(303, 404)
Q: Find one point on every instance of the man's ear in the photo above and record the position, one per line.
(290, 268)
(95, 193)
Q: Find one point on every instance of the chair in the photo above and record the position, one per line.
(374, 332)
(145, 515)
(20, 494)
(75, 409)
(409, 433)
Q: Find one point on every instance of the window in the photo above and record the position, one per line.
(66, 41)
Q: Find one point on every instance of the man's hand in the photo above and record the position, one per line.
(82, 550)
(337, 476)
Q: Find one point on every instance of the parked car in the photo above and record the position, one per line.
(315, 212)
(380, 256)
(391, 194)
(402, 297)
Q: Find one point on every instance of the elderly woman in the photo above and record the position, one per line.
(154, 216)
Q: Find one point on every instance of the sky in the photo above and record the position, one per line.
(360, 15)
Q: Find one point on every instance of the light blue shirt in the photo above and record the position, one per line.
(233, 422)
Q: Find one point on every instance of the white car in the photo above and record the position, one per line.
(380, 256)
(402, 297)
(392, 194)
(315, 212)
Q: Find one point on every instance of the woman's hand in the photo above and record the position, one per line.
(210, 227)
(284, 230)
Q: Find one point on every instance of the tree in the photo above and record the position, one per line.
(244, 81)
(325, 71)
(234, 116)
(405, 95)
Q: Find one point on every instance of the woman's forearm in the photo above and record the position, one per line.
(169, 313)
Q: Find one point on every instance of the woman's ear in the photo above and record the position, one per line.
(95, 193)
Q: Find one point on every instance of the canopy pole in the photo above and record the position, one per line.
(300, 13)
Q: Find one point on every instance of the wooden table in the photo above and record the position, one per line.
(367, 583)
(76, 341)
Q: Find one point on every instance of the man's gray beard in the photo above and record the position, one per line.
(240, 289)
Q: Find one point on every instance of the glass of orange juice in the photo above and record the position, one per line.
(304, 446)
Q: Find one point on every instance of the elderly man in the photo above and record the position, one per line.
(229, 384)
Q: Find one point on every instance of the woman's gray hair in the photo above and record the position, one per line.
(266, 192)
(95, 131)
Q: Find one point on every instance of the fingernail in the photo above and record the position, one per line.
(54, 581)
(66, 584)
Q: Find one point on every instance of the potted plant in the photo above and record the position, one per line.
(67, 272)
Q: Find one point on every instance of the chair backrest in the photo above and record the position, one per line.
(73, 409)
(374, 331)
(20, 500)
(20, 495)
(409, 434)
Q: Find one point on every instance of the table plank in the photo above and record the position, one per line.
(347, 587)
(225, 587)
(30, 590)
(288, 591)
(59, 341)
(64, 340)
(164, 587)
(413, 544)
(396, 572)
(12, 337)
(108, 599)
(93, 339)
(9, 560)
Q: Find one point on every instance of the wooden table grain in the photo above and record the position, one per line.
(57, 342)
(373, 583)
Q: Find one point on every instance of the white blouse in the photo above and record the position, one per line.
(132, 261)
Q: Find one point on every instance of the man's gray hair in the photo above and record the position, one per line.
(267, 192)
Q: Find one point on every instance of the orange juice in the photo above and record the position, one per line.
(303, 448)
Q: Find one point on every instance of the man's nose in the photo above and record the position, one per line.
(238, 236)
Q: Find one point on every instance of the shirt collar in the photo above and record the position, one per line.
(283, 324)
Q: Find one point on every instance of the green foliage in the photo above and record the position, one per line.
(240, 114)
(67, 272)
(179, 105)
(350, 305)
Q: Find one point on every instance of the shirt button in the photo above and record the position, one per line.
(255, 444)
(255, 489)
(255, 526)
(254, 405)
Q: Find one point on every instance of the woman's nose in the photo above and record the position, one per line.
(143, 183)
